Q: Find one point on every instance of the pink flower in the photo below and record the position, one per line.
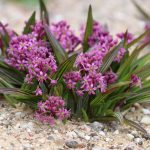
(135, 81)
(38, 91)
(51, 109)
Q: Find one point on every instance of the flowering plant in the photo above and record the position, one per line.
(59, 74)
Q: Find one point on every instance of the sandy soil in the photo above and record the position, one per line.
(19, 131)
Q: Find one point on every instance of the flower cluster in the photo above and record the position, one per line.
(121, 36)
(101, 36)
(38, 30)
(88, 75)
(135, 81)
(110, 77)
(52, 108)
(88, 64)
(91, 60)
(29, 54)
(62, 32)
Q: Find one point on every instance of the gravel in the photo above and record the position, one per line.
(19, 130)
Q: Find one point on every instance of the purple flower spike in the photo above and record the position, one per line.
(136, 81)
(51, 109)
(65, 35)
(110, 77)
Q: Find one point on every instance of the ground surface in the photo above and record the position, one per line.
(18, 129)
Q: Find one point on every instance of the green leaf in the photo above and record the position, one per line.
(88, 30)
(117, 115)
(43, 12)
(64, 67)
(136, 40)
(141, 10)
(59, 52)
(108, 59)
(124, 70)
(4, 36)
(10, 74)
(98, 100)
(85, 116)
(30, 22)
(135, 125)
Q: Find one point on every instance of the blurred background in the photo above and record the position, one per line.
(119, 15)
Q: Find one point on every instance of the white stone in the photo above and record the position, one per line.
(107, 139)
(97, 148)
(81, 134)
(56, 131)
(146, 111)
(97, 126)
(71, 134)
(87, 137)
(29, 125)
(138, 141)
(116, 132)
(19, 115)
(130, 136)
(146, 120)
(102, 133)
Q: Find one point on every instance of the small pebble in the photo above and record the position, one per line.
(102, 133)
(116, 132)
(146, 136)
(146, 111)
(72, 144)
(130, 137)
(98, 148)
(146, 120)
(138, 141)
(97, 126)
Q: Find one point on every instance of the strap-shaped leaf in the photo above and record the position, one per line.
(141, 10)
(135, 125)
(59, 52)
(124, 68)
(136, 40)
(85, 116)
(108, 59)
(5, 39)
(43, 12)
(64, 67)
(30, 22)
(88, 30)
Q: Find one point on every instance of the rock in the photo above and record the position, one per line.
(132, 109)
(129, 147)
(138, 141)
(135, 133)
(97, 126)
(50, 138)
(116, 132)
(93, 134)
(72, 144)
(19, 115)
(80, 134)
(107, 139)
(146, 111)
(146, 136)
(87, 137)
(101, 133)
(71, 134)
(130, 136)
(146, 120)
(98, 148)
(29, 126)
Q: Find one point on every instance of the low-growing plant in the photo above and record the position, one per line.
(93, 76)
